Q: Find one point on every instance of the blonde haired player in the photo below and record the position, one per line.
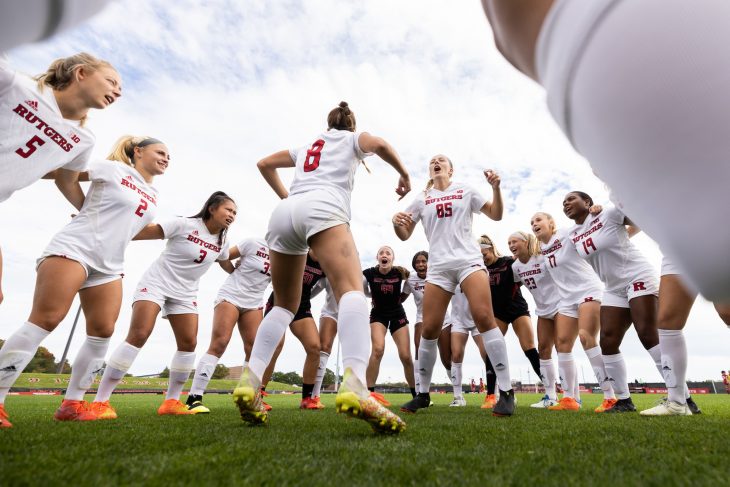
(42, 121)
(580, 293)
(239, 300)
(529, 270)
(315, 213)
(170, 285)
(87, 257)
(446, 210)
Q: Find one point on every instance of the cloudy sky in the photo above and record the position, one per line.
(226, 83)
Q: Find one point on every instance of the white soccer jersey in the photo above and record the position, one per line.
(447, 221)
(190, 251)
(573, 276)
(329, 163)
(603, 241)
(117, 206)
(538, 281)
(35, 139)
(415, 285)
(247, 283)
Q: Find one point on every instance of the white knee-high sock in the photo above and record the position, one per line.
(17, 352)
(268, 336)
(456, 379)
(547, 369)
(655, 353)
(599, 369)
(427, 355)
(180, 367)
(323, 358)
(203, 374)
(497, 351)
(354, 329)
(674, 364)
(616, 371)
(566, 364)
(119, 363)
(416, 375)
(89, 362)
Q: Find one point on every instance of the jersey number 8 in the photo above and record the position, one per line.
(314, 154)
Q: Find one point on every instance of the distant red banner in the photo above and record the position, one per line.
(653, 390)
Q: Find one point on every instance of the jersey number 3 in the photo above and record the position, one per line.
(312, 161)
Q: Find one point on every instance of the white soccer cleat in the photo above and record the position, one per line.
(667, 408)
(544, 403)
(458, 402)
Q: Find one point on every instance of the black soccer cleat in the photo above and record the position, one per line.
(506, 404)
(692, 405)
(622, 406)
(421, 401)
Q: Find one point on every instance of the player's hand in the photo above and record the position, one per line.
(401, 219)
(595, 209)
(404, 186)
(1, 295)
(492, 178)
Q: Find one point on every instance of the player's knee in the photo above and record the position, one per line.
(544, 350)
(378, 352)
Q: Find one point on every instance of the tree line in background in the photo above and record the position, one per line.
(43, 362)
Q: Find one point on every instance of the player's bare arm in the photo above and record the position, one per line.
(379, 146)
(268, 166)
(67, 183)
(495, 208)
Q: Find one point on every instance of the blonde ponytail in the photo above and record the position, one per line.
(123, 150)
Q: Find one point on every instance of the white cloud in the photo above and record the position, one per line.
(226, 83)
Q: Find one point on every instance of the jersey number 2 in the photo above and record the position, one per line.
(141, 208)
(312, 161)
(32, 145)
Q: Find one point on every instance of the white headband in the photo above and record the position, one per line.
(518, 235)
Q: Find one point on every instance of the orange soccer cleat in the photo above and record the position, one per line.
(605, 405)
(4, 423)
(74, 411)
(318, 402)
(489, 401)
(566, 404)
(103, 410)
(380, 398)
(173, 407)
(310, 403)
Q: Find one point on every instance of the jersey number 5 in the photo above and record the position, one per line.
(312, 161)
(32, 145)
(200, 259)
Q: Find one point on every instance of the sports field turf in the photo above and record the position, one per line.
(442, 445)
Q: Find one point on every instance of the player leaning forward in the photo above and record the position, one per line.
(316, 213)
(446, 210)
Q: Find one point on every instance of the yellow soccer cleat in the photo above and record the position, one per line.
(103, 410)
(354, 400)
(247, 396)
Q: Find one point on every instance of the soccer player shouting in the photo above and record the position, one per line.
(170, 285)
(446, 210)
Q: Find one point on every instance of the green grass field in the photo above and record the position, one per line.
(442, 446)
(60, 381)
